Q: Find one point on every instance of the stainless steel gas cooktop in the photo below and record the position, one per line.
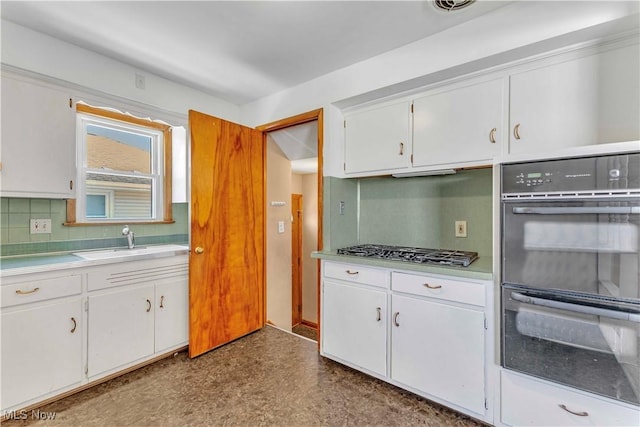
(408, 254)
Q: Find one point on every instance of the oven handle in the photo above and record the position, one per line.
(578, 210)
(585, 309)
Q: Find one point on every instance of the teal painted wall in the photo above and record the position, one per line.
(418, 211)
(15, 239)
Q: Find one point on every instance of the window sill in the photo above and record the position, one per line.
(86, 224)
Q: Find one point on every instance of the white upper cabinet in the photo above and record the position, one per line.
(458, 125)
(583, 101)
(580, 97)
(38, 140)
(378, 139)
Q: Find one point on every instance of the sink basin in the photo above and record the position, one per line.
(124, 252)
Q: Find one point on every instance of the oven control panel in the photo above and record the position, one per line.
(532, 179)
(620, 171)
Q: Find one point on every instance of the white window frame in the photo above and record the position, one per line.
(157, 173)
(108, 202)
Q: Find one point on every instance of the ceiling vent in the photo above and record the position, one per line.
(451, 5)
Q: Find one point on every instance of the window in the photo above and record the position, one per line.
(124, 168)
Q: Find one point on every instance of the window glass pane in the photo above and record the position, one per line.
(131, 197)
(96, 206)
(118, 150)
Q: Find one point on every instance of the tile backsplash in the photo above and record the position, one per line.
(419, 211)
(15, 238)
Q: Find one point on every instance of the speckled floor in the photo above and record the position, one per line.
(305, 331)
(269, 378)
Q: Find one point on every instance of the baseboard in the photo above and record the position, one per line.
(309, 324)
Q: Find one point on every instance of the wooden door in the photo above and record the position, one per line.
(296, 259)
(226, 265)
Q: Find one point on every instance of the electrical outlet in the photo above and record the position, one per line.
(341, 207)
(280, 227)
(461, 228)
(40, 226)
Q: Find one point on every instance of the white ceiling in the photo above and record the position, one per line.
(299, 144)
(239, 51)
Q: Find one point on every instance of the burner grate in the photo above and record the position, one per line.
(410, 254)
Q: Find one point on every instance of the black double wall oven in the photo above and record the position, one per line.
(570, 293)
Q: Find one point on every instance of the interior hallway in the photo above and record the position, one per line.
(269, 378)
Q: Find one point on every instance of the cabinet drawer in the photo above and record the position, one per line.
(437, 287)
(529, 402)
(134, 272)
(40, 290)
(357, 273)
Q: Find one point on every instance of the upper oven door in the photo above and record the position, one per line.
(586, 246)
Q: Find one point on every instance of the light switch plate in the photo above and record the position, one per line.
(40, 226)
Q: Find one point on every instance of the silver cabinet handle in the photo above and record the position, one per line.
(395, 318)
(353, 273)
(576, 210)
(148, 306)
(432, 286)
(75, 324)
(576, 308)
(516, 131)
(379, 310)
(492, 135)
(580, 414)
(402, 148)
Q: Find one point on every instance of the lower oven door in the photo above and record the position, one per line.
(591, 345)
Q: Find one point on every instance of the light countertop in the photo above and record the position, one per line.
(37, 263)
(480, 269)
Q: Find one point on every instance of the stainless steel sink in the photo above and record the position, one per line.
(124, 252)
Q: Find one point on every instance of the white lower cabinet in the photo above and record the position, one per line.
(439, 349)
(171, 314)
(63, 330)
(121, 328)
(135, 310)
(354, 325)
(41, 350)
(424, 333)
(42, 336)
(530, 402)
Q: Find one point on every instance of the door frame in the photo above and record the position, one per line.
(299, 119)
(296, 265)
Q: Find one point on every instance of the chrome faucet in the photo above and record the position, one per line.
(131, 239)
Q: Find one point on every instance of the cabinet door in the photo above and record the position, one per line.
(354, 325)
(38, 140)
(120, 328)
(41, 350)
(172, 314)
(378, 139)
(439, 349)
(584, 101)
(458, 125)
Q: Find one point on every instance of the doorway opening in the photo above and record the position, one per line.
(294, 176)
